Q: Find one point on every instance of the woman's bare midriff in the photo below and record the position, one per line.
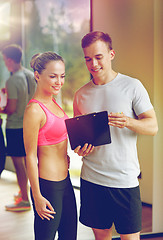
(53, 164)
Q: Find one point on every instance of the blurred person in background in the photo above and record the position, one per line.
(3, 100)
(2, 149)
(20, 88)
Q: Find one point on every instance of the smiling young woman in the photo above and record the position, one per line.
(45, 139)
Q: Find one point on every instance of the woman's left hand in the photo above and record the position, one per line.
(44, 208)
(68, 160)
(1, 121)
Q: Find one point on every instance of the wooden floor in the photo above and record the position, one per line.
(18, 226)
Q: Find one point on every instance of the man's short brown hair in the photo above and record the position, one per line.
(13, 51)
(92, 37)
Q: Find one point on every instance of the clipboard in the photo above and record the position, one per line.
(92, 128)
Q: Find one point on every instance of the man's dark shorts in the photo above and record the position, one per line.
(15, 143)
(102, 206)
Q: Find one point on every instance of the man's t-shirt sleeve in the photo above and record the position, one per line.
(141, 100)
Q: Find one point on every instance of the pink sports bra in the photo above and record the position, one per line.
(54, 131)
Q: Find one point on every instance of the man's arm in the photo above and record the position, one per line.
(10, 107)
(146, 123)
(75, 107)
(87, 148)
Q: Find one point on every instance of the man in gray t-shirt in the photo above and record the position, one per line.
(20, 88)
(109, 185)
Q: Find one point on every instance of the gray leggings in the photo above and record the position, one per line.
(61, 196)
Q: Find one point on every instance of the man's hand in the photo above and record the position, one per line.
(84, 151)
(145, 124)
(118, 120)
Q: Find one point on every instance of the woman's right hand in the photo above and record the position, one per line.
(44, 208)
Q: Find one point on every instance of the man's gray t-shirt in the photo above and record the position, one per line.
(115, 164)
(20, 86)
